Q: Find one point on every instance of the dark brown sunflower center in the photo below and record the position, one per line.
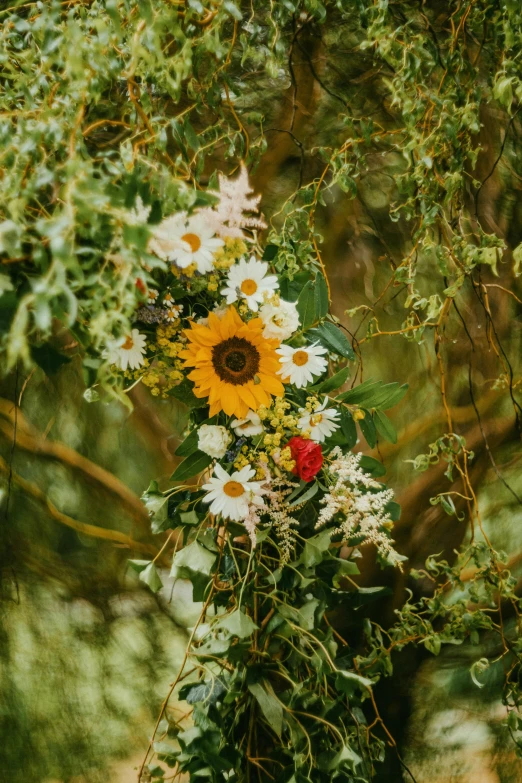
(235, 360)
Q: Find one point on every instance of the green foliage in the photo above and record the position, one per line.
(103, 102)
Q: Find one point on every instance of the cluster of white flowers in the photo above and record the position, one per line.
(214, 440)
(275, 493)
(361, 503)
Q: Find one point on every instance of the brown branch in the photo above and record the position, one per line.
(29, 439)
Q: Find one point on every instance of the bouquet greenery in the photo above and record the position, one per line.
(270, 533)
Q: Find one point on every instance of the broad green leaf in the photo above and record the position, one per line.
(335, 382)
(332, 338)
(191, 466)
(270, 706)
(315, 547)
(321, 297)
(368, 429)
(346, 680)
(189, 445)
(384, 426)
(237, 624)
(193, 557)
(345, 757)
(306, 306)
(151, 578)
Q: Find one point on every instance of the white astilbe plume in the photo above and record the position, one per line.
(276, 491)
(362, 510)
(227, 217)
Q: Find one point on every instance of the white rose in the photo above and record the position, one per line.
(280, 320)
(214, 440)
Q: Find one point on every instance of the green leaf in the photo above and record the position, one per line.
(315, 547)
(384, 426)
(368, 429)
(335, 382)
(270, 706)
(157, 506)
(332, 338)
(151, 578)
(191, 466)
(270, 252)
(346, 756)
(345, 681)
(321, 297)
(193, 557)
(189, 518)
(306, 305)
(310, 492)
(348, 428)
(189, 445)
(185, 394)
(237, 624)
(209, 691)
(375, 394)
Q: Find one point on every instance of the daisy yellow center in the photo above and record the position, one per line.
(233, 489)
(249, 287)
(193, 240)
(235, 360)
(128, 344)
(316, 419)
(300, 358)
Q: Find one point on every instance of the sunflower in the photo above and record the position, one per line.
(234, 365)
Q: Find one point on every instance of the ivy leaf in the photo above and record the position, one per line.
(270, 705)
(332, 338)
(237, 624)
(209, 691)
(195, 558)
(384, 426)
(151, 578)
(315, 547)
(345, 681)
(191, 466)
(306, 305)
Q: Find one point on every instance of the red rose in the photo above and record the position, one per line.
(308, 457)
(140, 285)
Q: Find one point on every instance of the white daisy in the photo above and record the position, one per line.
(186, 240)
(299, 365)
(173, 312)
(130, 353)
(250, 425)
(281, 319)
(248, 280)
(321, 423)
(231, 496)
(152, 295)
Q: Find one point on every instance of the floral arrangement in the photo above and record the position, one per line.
(268, 486)
(217, 332)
